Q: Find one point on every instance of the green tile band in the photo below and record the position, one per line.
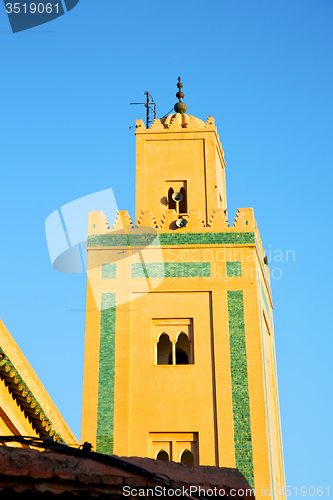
(167, 239)
(240, 389)
(171, 270)
(234, 269)
(109, 271)
(106, 378)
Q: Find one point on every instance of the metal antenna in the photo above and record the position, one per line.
(150, 106)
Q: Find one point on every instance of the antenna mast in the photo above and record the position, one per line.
(150, 106)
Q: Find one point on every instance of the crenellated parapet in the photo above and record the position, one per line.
(218, 231)
(218, 220)
(244, 218)
(147, 219)
(123, 221)
(195, 221)
(97, 222)
(168, 221)
(244, 221)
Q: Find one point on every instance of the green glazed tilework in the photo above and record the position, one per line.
(122, 240)
(140, 270)
(240, 390)
(172, 270)
(234, 269)
(167, 239)
(105, 409)
(109, 271)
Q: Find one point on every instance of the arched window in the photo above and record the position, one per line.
(187, 458)
(164, 350)
(171, 202)
(181, 357)
(183, 350)
(183, 203)
(162, 455)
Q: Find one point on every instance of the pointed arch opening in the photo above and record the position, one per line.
(187, 458)
(164, 350)
(183, 202)
(171, 202)
(183, 350)
(162, 455)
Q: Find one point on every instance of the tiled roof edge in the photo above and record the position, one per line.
(26, 400)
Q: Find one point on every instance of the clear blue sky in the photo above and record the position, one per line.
(263, 69)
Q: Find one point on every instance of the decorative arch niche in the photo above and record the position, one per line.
(164, 350)
(171, 202)
(183, 350)
(162, 455)
(173, 341)
(183, 203)
(187, 458)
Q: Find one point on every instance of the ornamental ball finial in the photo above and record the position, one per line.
(180, 107)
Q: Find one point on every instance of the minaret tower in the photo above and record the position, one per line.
(180, 357)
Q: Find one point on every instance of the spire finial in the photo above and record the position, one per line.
(180, 107)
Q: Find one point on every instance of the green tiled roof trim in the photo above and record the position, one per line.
(26, 400)
(109, 271)
(239, 382)
(167, 239)
(106, 376)
(172, 270)
(234, 269)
